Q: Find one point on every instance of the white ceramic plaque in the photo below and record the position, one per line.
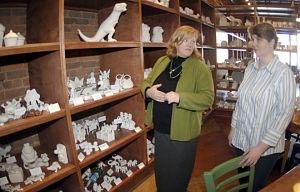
(53, 108)
(103, 146)
(36, 171)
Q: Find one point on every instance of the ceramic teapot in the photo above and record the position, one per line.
(127, 82)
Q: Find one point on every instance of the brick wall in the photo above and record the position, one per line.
(87, 22)
(14, 79)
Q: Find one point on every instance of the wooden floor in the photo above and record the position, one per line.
(212, 149)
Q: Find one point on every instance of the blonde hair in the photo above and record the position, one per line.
(182, 33)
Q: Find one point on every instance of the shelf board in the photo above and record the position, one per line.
(151, 44)
(92, 104)
(208, 24)
(234, 48)
(121, 140)
(157, 9)
(22, 124)
(188, 17)
(205, 47)
(50, 179)
(96, 45)
(232, 28)
(29, 48)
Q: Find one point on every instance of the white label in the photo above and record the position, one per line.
(101, 119)
(108, 93)
(81, 157)
(117, 181)
(103, 146)
(137, 129)
(117, 121)
(78, 101)
(11, 160)
(36, 171)
(110, 172)
(53, 108)
(141, 165)
(3, 181)
(129, 173)
(106, 186)
(97, 96)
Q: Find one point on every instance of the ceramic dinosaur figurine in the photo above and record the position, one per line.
(107, 27)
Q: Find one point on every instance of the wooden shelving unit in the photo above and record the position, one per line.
(53, 46)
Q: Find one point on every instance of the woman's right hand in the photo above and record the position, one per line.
(230, 136)
(155, 94)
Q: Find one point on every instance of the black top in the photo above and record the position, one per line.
(162, 111)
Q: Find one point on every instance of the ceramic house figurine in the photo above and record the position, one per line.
(15, 173)
(107, 27)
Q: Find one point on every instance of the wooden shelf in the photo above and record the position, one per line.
(29, 48)
(14, 126)
(50, 179)
(108, 99)
(55, 53)
(156, 8)
(150, 44)
(96, 45)
(122, 138)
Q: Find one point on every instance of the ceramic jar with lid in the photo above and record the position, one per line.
(21, 39)
(10, 39)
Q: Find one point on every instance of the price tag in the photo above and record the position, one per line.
(129, 173)
(141, 165)
(106, 185)
(53, 108)
(117, 181)
(36, 171)
(101, 119)
(137, 129)
(3, 181)
(81, 157)
(103, 146)
(78, 101)
(110, 172)
(11, 160)
(97, 96)
(117, 121)
(108, 93)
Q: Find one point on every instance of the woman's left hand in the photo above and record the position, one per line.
(252, 155)
(172, 97)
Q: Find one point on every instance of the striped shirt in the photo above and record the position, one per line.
(265, 106)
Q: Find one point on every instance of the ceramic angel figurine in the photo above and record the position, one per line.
(103, 82)
(107, 27)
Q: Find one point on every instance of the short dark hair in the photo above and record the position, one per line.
(265, 31)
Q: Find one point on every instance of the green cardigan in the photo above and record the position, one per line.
(196, 93)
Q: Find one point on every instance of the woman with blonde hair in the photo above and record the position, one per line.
(179, 88)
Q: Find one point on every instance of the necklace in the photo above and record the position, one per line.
(173, 70)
